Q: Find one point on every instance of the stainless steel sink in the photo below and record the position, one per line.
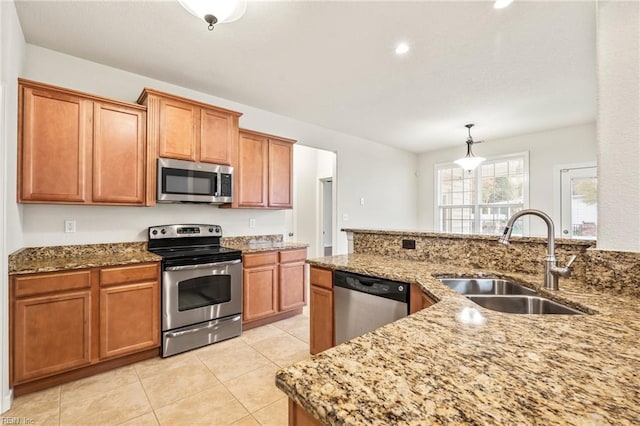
(506, 296)
(485, 286)
(520, 304)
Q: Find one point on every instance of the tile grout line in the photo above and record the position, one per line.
(135, 370)
(59, 405)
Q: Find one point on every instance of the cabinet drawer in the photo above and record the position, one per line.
(293, 255)
(129, 274)
(30, 285)
(260, 259)
(322, 277)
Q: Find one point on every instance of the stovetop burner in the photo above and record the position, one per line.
(190, 244)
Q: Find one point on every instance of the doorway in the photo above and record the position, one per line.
(326, 208)
(579, 202)
(313, 218)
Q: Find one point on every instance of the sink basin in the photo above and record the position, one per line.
(521, 304)
(485, 286)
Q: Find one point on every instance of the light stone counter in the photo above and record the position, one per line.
(61, 258)
(432, 368)
(259, 243)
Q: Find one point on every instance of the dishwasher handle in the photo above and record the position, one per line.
(372, 285)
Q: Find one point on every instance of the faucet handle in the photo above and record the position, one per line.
(566, 271)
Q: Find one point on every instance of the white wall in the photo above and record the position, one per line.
(310, 164)
(383, 175)
(547, 149)
(12, 53)
(618, 125)
(44, 225)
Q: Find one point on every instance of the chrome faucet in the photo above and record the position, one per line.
(551, 270)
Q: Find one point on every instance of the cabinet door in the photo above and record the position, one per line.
(217, 136)
(118, 154)
(292, 288)
(280, 174)
(252, 171)
(260, 298)
(52, 334)
(55, 146)
(178, 138)
(320, 319)
(129, 318)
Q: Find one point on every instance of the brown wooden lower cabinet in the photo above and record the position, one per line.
(274, 286)
(291, 280)
(261, 292)
(77, 320)
(322, 335)
(51, 334)
(418, 299)
(128, 318)
(298, 416)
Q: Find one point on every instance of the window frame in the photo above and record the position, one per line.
(478, 187)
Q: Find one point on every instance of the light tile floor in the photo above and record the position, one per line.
(228, 383)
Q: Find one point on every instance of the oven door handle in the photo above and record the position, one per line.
(196, 330)
(202, 266)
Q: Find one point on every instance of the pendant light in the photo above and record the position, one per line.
(215, 11)
(469, 162)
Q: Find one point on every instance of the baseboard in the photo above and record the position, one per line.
(268, 320)
(6, 402)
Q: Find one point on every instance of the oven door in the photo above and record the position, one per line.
(197, 293)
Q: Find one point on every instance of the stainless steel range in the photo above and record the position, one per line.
(201, 286)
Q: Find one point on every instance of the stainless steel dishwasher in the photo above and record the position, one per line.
(363, 303)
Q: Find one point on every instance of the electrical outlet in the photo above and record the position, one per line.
(362, 201)
(69, 226)
(252, 223)
(409, 244)
(345, 217)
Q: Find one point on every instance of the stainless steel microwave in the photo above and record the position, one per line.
(190, 182)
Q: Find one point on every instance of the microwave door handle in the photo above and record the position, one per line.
(202, 266)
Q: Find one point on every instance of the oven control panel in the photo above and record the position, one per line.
(184, 231)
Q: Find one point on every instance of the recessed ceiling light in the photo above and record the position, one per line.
(501, 4)
(402, 48)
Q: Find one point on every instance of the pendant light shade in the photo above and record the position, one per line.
(215, 11)
(469, 162)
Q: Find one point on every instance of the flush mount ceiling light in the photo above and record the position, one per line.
(402, 48)
(469, 162)
(215, 11)
(501, 4)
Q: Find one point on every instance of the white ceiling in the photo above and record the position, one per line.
(522, 69)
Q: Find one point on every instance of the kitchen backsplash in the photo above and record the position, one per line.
(251, 239)
(615, 271)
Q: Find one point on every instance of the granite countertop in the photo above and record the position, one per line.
(434, 368)
(59, 258)
(266, 246)
(456, 236)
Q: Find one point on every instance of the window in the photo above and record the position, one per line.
(482, 201)
(579, 202)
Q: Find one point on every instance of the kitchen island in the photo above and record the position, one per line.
(433, 367)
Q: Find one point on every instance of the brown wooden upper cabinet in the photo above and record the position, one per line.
(76, 148)
(188, 130)
(264, 175)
